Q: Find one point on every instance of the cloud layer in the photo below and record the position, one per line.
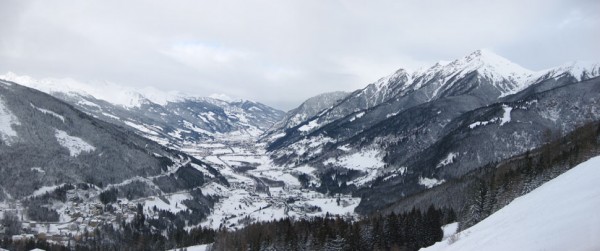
(281, 52)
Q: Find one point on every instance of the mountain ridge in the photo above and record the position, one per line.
(171, 118)
(408, 138)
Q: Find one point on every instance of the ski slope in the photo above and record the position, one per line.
(563, 214)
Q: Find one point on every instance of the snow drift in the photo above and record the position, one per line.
(560, 215)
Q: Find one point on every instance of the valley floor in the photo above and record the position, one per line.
(260, 190)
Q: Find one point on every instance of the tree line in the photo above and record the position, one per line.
(406, 231)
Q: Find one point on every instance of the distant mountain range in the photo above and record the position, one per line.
(171, 118)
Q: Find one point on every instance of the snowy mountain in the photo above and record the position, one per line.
(168, 118)
(435, 119)
(559, 215)
(481, 74)
(47, 144)
(306, 110)
(440, 80)
(337, 153)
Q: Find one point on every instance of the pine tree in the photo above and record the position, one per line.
(392, 230)
(432, 225)
(336, 244)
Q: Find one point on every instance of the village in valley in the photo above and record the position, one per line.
(257, 192)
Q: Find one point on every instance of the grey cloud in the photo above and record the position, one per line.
(281, 52)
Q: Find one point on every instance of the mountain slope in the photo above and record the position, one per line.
(306, 110)
(172, 119)
(46, 142)
(454, 118)
(481, 136)
(480, 76)
(559, 215)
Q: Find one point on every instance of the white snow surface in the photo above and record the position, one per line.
(503, 74)
(143, 129)
(38, 169)
(45, 189)
(311, 125)
(306, 169)
(559, 215)
(202, 247)
(449, 230)
(362, 161)
(243, 203)
(224, 97)
(75, 145)
(478, 123)
(46, 111)
(276, 136)
(506, 117)
(448, 160)
(357, 116)
(111, 92)
(506, 75)
(503, 120)
(429, 182)
(173, 203)
(7, 121)
(368, 161)
(345, 148)
(578, 69)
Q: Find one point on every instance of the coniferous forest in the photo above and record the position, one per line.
(407, 231)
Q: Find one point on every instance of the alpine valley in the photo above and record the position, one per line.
(82, 163)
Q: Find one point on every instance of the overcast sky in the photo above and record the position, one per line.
(281, 52)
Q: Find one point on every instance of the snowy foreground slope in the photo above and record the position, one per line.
(563, 214)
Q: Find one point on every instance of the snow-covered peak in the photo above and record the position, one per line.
(581, 70)
(443, 63)
(400, 76)
(505, 75)
(162, 98)
(490, 65)
(224, 97)
(400, 73)
(386, 87)
(107, 91)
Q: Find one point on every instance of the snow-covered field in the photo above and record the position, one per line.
(262, 191)
(259, 190)
(563, 214)
(362, 161)
(368, 161)
(429, 182)
(7, 120)
(203, 247)
(172, 203)
(75, 145)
